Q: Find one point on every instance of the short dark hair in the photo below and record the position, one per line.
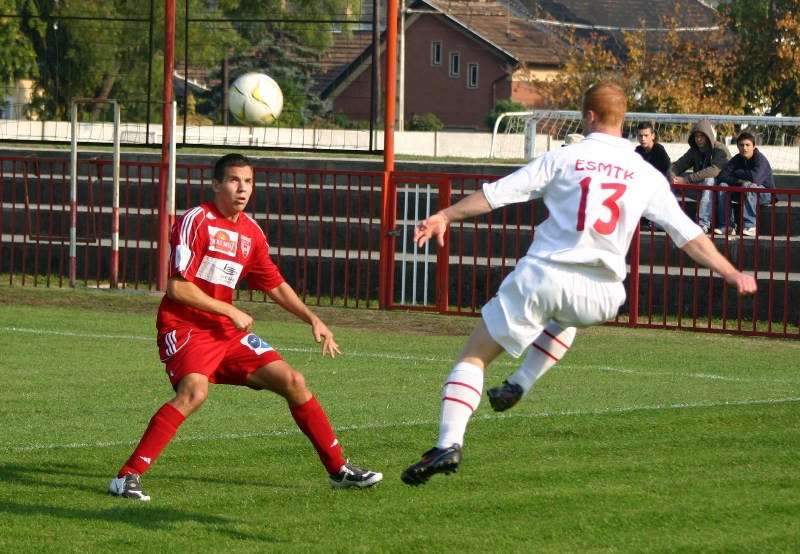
(645, 125)
(745, 135)
(229, 160)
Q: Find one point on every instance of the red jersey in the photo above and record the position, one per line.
(215, 253)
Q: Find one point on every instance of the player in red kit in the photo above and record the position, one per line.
(203, 338)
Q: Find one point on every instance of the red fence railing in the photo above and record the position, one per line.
(665, 288)
(324, 232)
(322, 225)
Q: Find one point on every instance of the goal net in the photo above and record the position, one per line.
(525, 135)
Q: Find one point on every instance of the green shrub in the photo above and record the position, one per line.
(424, 122)
(500, 107)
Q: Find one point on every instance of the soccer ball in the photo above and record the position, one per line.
(255, 99)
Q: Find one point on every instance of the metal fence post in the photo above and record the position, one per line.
(633, 279)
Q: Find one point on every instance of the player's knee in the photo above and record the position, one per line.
(197, 397)
(192, 396)
(296, 382)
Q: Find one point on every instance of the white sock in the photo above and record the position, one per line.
(460, 398)
(548, 348)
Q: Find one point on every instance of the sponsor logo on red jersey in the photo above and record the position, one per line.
(223, 241)
(246, 243)
(219, 272)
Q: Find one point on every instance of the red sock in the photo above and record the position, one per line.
(163, 426)
(311, 419)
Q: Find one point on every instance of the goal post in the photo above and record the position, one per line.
(525, 135)
(89, 133)
(75, 132)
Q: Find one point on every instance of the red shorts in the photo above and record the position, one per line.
(226, 358)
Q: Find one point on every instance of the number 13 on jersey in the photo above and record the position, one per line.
(610, 202)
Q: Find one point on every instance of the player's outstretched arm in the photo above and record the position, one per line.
(286, 298)
(186, 292)
(703, 251)
(436, 225)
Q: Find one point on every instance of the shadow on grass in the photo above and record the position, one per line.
(145, 515)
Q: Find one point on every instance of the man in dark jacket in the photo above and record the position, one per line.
(650, 149)
(700, 165)
(749, 168)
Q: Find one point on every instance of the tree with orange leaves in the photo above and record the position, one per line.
(670, 71)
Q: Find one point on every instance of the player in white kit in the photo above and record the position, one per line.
(596, 192)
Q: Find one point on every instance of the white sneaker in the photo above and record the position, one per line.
(127, 486)
(749, 232)
(351, 476)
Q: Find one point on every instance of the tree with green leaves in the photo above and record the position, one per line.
(767, 54)
(285, 40)
(19, 60)
(104, 49)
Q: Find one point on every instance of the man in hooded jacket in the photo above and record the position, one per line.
(700, 165)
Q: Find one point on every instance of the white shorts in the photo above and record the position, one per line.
(538, 291)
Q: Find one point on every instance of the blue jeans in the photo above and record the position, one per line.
(751, 201)
(703, 198)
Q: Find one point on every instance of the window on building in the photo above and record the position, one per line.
(455, 64)
(472, 75)
(436, 52)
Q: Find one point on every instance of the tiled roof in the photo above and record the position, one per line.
(345, 54)
(520, 29)
(624, 13)
(518, 39)
(497, 24)
(610, 17)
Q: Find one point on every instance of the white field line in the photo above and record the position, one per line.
(414, 423)
(412, 358)
(672, 374)
(72, 334)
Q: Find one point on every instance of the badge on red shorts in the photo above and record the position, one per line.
(255, 343)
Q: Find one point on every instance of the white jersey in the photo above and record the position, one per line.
(596, 192)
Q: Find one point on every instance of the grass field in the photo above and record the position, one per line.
(639, 441)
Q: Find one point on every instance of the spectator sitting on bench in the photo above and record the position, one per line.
(705, 158)
(750, 169)
(650, 149)
(654, 152)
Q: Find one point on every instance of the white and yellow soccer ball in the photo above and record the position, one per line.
(255, 99)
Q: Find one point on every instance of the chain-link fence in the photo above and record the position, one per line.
(321, 55)
(529, 134)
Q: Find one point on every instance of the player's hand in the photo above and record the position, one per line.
(745, 284)
(434, 226)
(325, 336)
(240, 320)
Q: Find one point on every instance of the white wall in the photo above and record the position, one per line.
(438, 145)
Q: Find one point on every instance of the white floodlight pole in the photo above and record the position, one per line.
(114, 269)
(73, 196)
(173, 119)
(401, 69)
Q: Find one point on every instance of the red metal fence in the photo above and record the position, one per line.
(324, 230)
(322, 225)
(666, 289)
